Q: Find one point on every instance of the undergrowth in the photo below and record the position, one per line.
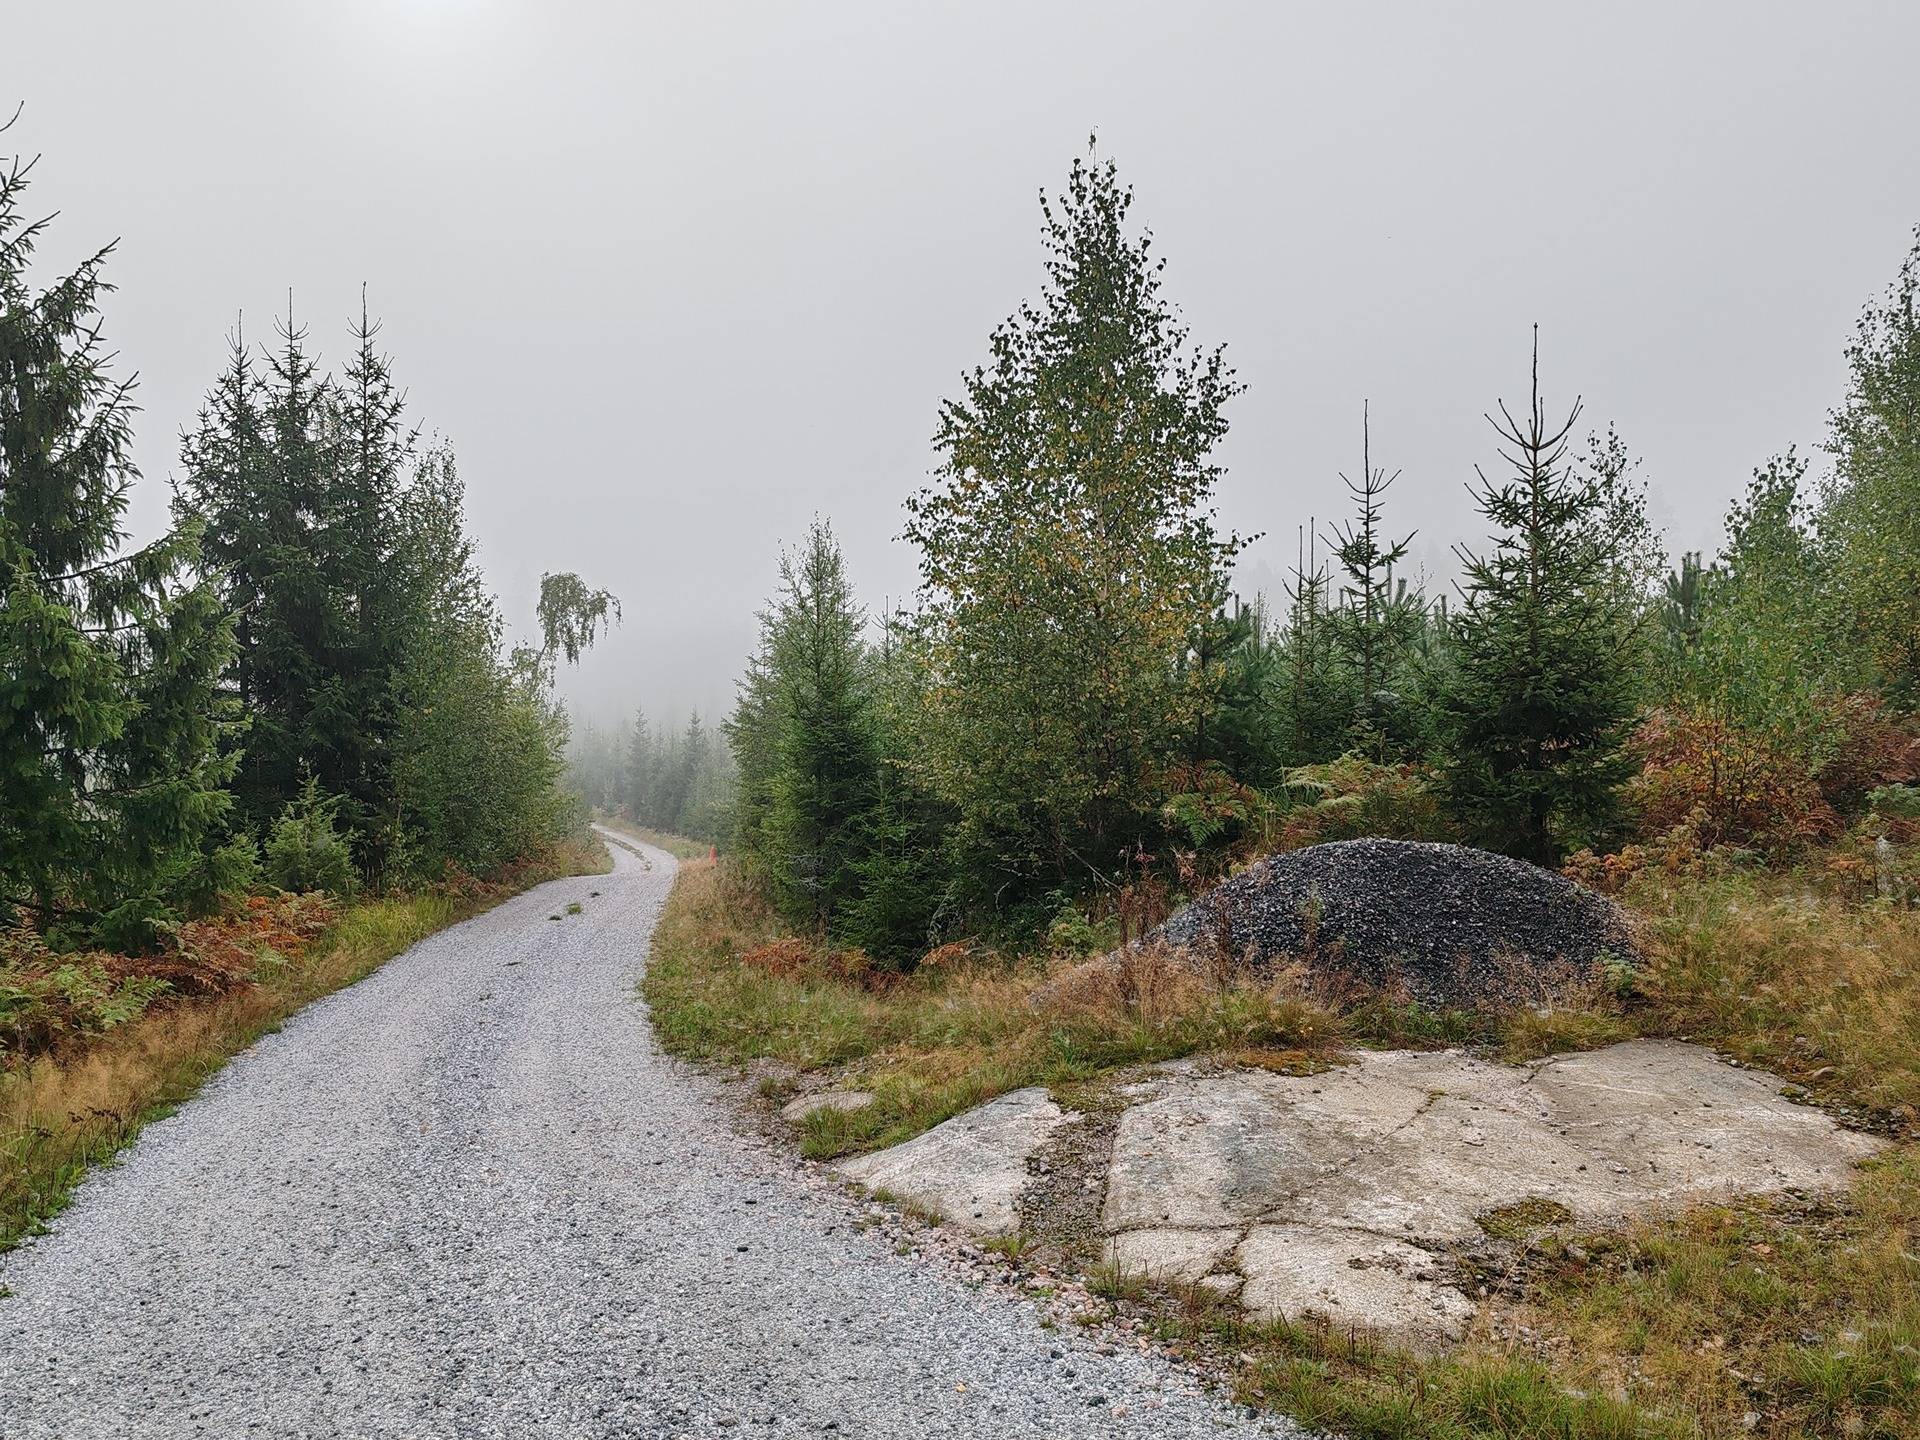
(78, 1102)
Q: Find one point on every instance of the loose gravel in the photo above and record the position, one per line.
(1449, 924)
(468, 1197)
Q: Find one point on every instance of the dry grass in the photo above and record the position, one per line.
(1763, 1320)
(1768, 1320)
(63, 1113)
(723, 984)
(1774, 1320)
(1765, 968)
(1779, 1320)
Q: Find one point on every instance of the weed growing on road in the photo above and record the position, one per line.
(1010, 1246)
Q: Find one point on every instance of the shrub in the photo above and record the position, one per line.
(1894, 811)
(1731, 785)
(1873, 748)
(220, 879)
(1354, 797)
(1071, 933)
(307, 849)
(1675, 855)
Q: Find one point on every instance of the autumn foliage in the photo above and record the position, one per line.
(51, 1001)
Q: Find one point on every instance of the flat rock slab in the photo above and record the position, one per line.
(972, 1169)
(1332, 1191)
(1351, 1277)
(798, 1109)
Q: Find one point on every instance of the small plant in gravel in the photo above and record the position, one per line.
(1009, 1247)
(1524, 1219)
(1113, 1281)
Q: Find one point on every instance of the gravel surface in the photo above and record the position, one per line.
(1451, 924)
(468, 1197)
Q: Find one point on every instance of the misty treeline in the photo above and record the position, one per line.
(304, 683)
(679, 780)
(1078, 703)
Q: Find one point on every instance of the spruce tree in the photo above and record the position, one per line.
(477, 738)
(1537, 696)
(640, 778)
(110, 777)
(750, 734)
(1374, 625)
(373, 452)
(824, 761)
(305, 489)
(256, 471)
(1312, 709)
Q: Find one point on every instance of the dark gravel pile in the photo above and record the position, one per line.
(1449, 925)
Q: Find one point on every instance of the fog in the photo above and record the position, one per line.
(675, 279)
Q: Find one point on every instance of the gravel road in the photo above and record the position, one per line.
(468, 1197)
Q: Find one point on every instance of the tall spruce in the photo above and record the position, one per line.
(259, 475)
(903, 876)
(110, 774)
(640, 774)
(1069, 557)
(1536, 696)
(750, 733)
(825, 766)
(374, 452)
(1311, 710)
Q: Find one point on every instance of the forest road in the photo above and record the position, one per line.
(470, 1197)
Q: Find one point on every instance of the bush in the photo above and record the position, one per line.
(1728, 784)
(1354, 798)
(1675, 856)
(1071, 933)
(307, 849)
(218, 880)
(1872, 748)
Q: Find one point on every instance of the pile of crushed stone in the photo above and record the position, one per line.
(1448, 925)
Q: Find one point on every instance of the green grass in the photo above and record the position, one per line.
(64, 1114)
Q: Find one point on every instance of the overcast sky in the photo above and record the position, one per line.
(674, 278)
